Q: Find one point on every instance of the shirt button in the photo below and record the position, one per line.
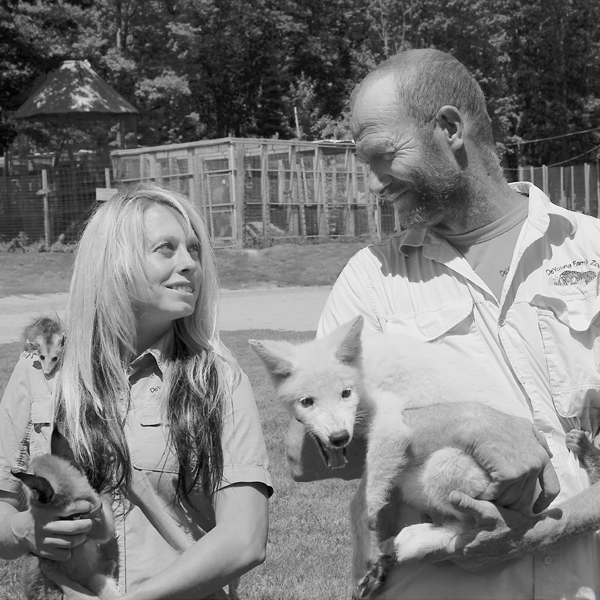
(501, 322)
(548, 560)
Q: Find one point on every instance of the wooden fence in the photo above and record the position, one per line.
(251, 191)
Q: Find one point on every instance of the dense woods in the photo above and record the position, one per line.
(198, 69)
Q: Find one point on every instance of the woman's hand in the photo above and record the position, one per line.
(51, 533)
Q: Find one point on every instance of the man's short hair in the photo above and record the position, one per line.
(429, 79)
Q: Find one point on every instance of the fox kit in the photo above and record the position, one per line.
(45, 337)
(325, 383)
(53, 481)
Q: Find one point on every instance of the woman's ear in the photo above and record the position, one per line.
(450, 123)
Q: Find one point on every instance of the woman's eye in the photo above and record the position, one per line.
(194, 251)
(166, 248)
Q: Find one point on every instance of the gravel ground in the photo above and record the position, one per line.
(286, 309)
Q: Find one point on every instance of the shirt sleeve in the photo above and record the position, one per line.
(15, 418)
(244, 451)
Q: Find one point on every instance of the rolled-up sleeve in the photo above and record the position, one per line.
(15, 419)
(244, 451)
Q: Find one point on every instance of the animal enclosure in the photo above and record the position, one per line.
(253, 192)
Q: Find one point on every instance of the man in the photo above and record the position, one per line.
(497, 272)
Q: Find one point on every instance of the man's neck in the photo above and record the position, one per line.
(488, 201)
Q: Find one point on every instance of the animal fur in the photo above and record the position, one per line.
(587, 449)
(45, 337)
(331, 383)
(52, 482)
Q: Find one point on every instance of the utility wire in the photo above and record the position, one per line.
(562, 162)
(554, 137)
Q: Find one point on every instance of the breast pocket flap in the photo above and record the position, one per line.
(430, 324)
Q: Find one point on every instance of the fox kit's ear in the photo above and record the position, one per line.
(347, 336)
(40, 487)
(272, 355)
(59, 446)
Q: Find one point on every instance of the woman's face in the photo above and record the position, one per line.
(173, 270)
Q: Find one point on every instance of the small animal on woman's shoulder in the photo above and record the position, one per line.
(586, 448)
(45, 337)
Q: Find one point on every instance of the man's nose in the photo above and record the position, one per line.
(377, 181)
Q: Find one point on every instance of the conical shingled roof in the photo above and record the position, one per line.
(74, 89)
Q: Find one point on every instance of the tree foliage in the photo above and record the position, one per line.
(199, 69)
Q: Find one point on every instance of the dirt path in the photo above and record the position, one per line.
(290, 308)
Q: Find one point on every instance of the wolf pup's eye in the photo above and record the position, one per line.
(346, 393)
(306, 402)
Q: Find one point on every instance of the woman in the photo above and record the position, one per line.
(156, 409)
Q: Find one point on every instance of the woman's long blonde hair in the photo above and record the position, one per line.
(93, 388)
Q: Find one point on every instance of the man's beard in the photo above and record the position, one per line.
(442, 191)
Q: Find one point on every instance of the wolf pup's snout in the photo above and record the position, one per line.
(339, 439)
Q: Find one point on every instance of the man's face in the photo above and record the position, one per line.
(407, 166)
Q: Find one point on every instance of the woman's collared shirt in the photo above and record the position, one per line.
(152, 525)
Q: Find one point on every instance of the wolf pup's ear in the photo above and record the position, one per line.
(348, 338)
(40, 487)
(272, 356)
(59, 446)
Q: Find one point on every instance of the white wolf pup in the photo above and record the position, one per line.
(53, 481)
(326, 383)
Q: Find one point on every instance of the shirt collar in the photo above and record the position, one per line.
(540, 211)
(157, 353)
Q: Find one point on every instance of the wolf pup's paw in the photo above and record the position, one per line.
(374, 578)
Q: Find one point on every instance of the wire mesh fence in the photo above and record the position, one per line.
(251, 191)
(49, 205)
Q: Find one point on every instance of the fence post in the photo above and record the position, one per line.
(264, 188)
(572, 207)
(45, 190)
(240, 174)
(371, 202)
(586, 176)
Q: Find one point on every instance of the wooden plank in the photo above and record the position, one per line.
(240, 175)
(264, 188)
(104, 194)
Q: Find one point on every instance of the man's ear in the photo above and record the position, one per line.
(451, 124)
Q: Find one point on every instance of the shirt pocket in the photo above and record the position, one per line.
(570, 329)
(149, 443)
(429, 324)
(42, 417)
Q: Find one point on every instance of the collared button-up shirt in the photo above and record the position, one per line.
(153, 528)
(538, 344)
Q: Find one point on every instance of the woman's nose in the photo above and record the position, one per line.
(187, 262)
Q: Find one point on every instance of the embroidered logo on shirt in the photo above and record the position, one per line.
(574, 277)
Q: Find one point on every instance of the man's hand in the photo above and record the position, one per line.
(498, 534)
(516, 456)
(51, 533)
(508, 448)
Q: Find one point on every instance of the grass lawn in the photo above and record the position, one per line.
(309, 545)
(282, 265)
